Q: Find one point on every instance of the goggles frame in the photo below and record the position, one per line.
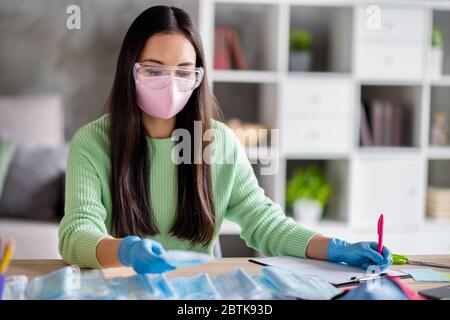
(198, 72)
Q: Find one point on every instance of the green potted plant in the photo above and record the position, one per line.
(436, 53)
(307, 193)
(300, 41)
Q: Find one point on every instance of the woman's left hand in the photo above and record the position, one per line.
(360, 254)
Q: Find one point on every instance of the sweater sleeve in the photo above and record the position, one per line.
(264, 226)
(83, 225)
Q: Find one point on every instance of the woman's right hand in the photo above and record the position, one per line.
(143, 255)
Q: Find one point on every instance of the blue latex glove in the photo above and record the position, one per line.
(143, 255)
(360, 254)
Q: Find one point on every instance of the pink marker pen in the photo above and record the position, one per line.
(380, 234)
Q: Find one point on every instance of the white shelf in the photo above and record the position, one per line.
(313, 156)
(439, 153)
(389, 82)
(318, 75)
(244, 76)
(388, 151)
(442, 81)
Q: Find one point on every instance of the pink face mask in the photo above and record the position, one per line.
(163, 96)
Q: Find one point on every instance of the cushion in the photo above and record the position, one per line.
(35, 118)
(34, 184)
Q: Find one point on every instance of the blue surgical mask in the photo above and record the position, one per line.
(60, 284)
(198, 287)
(274, 293)
(162, 286)
(94, 287)
(15, 288)
(237, 284)
(136, 287)
(307, 287)
(180, 258)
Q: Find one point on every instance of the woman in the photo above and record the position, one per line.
(127, 200)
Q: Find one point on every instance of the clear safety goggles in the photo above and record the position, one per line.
(159, 77)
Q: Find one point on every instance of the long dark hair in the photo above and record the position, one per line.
(129, 154)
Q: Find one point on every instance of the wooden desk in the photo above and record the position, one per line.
(33, 268)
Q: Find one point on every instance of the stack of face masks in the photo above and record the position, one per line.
(140, 287)
(93, 286)
(61, 284)
(293, 285)
(198, 287)
(70, 283)
(237, 284)
(15, 288)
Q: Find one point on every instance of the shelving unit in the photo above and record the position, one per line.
(318, 112)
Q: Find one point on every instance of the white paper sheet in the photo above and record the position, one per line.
(332, 272)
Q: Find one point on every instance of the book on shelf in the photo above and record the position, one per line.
(388, 122)
(438, 202)
(222, 59)
(377, 112)
(366, 134)
(237, 54)
(397, 130)
(383, 123)
(228, 52)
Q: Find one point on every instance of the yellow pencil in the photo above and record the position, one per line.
(7, 254)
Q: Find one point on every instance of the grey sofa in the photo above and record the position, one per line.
(32, 121)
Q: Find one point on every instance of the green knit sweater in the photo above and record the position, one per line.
(236, 193)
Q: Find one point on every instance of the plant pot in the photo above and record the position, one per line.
(435, 62)
(300, 61)
(307, 211)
